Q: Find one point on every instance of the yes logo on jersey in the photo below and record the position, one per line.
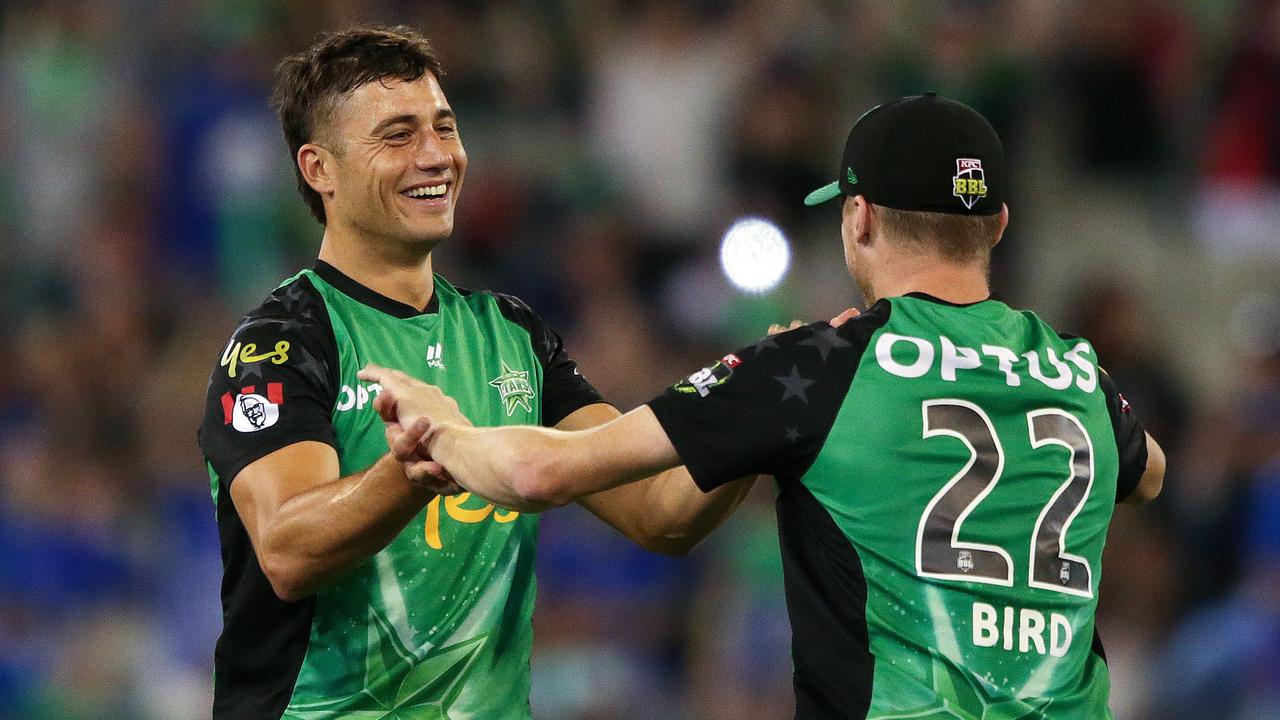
(248, 411)
(702, 381)
(969, 184)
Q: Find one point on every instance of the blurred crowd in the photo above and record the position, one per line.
(146, 201)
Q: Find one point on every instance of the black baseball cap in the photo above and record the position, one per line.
(924, 153)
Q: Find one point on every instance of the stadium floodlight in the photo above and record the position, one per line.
(755, 255)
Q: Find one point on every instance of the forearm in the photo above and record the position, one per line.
(531, 469)
(680, 515)
(322, 532)
(667, 513)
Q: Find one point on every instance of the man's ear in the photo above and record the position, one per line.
(1004, 223)
(863, 220)
(317, 166)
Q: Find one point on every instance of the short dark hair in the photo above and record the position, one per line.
(958, 238)
(310, 83)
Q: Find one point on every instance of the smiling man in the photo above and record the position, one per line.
(352, 586)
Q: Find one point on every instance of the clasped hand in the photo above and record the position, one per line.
(412, 410)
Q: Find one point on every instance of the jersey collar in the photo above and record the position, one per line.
(375, 300)
(926, 296)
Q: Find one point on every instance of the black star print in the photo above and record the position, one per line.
(292, 325)
(311, 366)
(793, 434)
(826, 341)
(249, 371)
(765, 344)
(293, 296)
(794, 385)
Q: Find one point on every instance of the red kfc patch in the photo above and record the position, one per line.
(275, 396)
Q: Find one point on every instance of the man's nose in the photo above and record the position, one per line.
(432, 153)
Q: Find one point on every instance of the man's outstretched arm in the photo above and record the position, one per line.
(524, 468)
(665, 513)
(531, 469)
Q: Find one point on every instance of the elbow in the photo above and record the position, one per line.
(287, 579)
(1152, 481)
(539, 486)
(676, 546)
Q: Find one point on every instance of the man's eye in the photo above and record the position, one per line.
(446, 129)
(401, 136)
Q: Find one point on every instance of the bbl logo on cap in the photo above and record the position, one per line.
(969, 184)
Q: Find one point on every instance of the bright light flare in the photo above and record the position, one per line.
(755, 255)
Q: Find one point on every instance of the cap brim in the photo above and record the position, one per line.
(823, 194)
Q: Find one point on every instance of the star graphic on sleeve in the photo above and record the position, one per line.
(292, 326)
(310, 366)
(400, 684)
(825, 341)
(250, 371)
(793, 434)
(766, 343)
(794, 385)
(293, 296)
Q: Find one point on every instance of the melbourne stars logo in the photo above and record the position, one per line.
(514, 387)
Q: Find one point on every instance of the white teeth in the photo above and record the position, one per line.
(432, 191)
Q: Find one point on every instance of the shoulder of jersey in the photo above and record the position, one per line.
(507, 303)
(295, 307)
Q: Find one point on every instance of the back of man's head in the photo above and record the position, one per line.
(961, 239)
(933, 169)
(311, 84)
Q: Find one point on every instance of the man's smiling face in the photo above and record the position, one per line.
(398, 162)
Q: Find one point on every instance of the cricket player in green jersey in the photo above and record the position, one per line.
(353, 586)
(946, 466)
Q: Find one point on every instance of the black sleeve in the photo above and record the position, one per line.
(274, 384)
(564, 389)
(767, 408)
(1131, 438)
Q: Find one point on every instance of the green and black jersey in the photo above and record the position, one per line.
(946, 476)
(437, 624)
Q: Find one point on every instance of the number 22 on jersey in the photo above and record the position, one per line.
(939, 551)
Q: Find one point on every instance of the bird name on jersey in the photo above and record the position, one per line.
(1021, 630)
(907, 356)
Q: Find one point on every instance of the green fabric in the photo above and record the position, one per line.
(930, 634)
(437, 625)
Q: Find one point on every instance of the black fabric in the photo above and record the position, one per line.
(1131, 438)
(307, 377)
(264, 639)
(375, 300)
(939, 301)
(826, 602)
(1096, 647)
(767, 408)
(564, 389)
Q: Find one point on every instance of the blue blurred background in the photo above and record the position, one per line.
(146, 200)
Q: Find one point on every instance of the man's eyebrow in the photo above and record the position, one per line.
(445, 114)
(403, 118)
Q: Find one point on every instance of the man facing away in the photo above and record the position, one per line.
(351, 587)
(946, 466)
